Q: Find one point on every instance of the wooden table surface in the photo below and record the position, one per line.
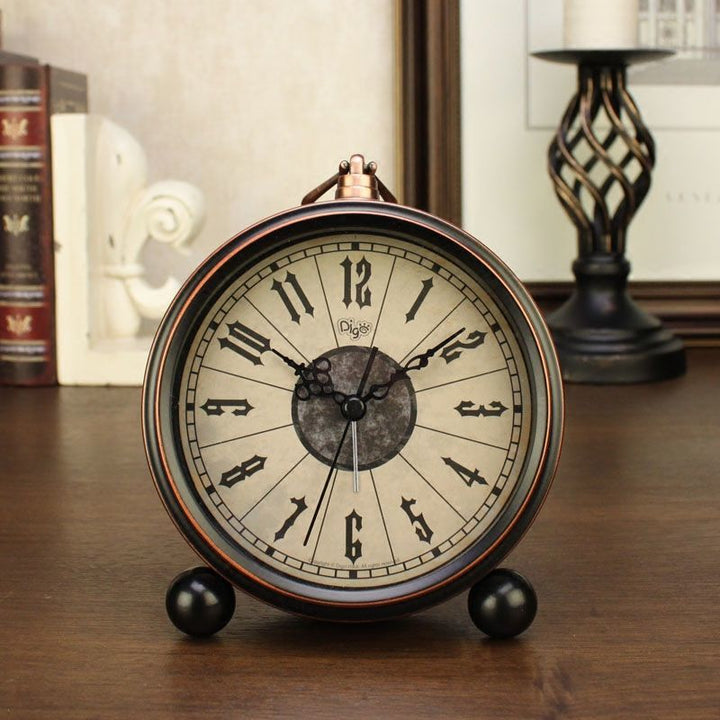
(625, 557)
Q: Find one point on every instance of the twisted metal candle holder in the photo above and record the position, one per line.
(600, 162)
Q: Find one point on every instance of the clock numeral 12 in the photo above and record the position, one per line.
(292, 281)
(363, 270)
(244, 340)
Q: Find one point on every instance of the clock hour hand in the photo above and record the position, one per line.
(417, 362)
(314, 379)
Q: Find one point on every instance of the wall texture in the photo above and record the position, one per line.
(253, 101)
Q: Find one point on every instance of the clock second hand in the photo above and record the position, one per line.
(356, 476)
(348, 425)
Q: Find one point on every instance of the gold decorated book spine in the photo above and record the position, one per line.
(28, 95)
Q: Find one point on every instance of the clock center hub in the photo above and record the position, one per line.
(353, 408)
(384, 424)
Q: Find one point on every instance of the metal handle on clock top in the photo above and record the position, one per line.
(354, 179)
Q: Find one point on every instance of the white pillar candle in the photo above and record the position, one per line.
(604, 24)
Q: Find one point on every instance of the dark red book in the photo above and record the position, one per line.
(29, 94)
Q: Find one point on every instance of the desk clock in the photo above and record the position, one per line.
(352, 410)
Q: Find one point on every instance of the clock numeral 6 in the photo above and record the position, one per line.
(353, 546)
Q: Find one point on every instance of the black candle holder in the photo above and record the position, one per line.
(600, 162)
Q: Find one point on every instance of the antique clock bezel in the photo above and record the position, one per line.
(160, 415)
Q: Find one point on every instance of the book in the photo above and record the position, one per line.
(29, 94)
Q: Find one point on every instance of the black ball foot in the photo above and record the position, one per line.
(503, 604)
(200, 602)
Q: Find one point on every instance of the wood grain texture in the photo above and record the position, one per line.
(625, 557)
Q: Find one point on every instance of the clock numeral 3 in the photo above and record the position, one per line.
(242, 471)
(217, 407)
(422, 529)
(452, 352)
(493, 409)
(353, 546)
(466, 475)
(243, 340)
(292, 281)
(363, 270)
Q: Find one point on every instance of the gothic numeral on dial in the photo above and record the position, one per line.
(353, 546)
(217, 407)
(454, 350)
(363, 270)
(422, 529)
(419, 300)
(494, 409)
(466, 475)
(246, 342)
(292, 281)
(300, 508)
(242, 471)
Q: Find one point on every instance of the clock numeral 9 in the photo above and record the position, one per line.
(217, 407)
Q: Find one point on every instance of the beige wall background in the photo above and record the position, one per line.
(508, 199)
(253, 101)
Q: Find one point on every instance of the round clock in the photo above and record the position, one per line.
(352, 410)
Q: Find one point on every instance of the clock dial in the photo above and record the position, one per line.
(352, 418)
(438, 456)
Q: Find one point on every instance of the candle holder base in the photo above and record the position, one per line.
(601, 335)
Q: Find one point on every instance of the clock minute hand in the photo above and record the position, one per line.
(417, 362)
(334, 463)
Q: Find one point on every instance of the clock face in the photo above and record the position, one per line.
(355, 417)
